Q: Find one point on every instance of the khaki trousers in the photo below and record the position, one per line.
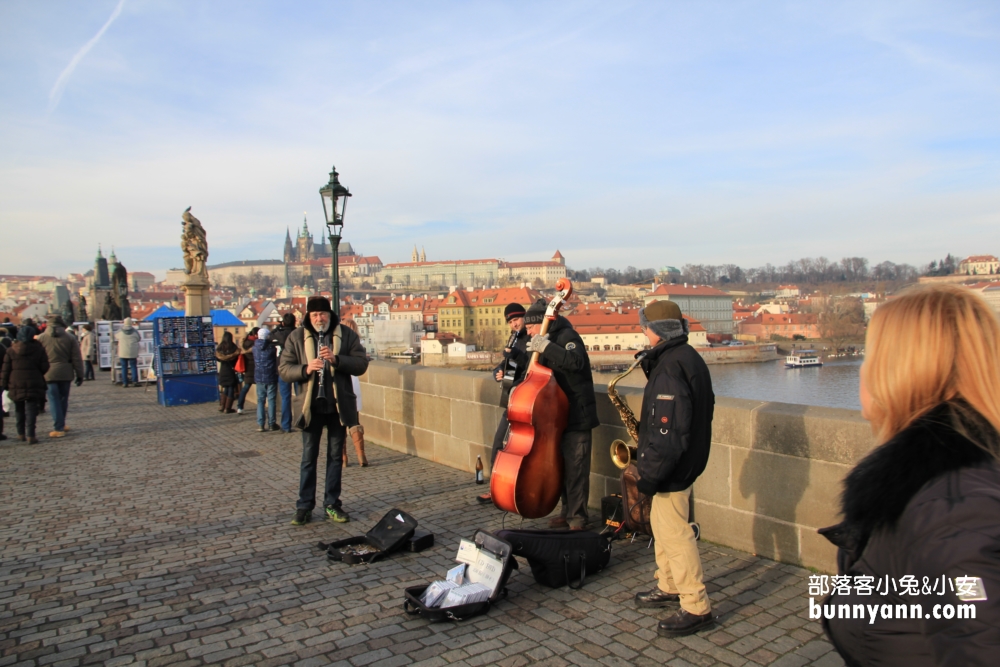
(678, 564)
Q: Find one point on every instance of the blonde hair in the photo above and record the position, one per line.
(932, 345)
(350, 324)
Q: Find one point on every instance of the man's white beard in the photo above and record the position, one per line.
(321, 329)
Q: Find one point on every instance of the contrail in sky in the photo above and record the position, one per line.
(56, 93)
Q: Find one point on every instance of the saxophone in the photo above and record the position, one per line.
(622, 454)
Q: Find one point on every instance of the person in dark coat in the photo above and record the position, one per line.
(23, 377)
(266, 377)
(675, 435)
(65, 362)
(248, 368)
(5, 342)
(920, 540)
(226, 353)
(562, 350)
(279, 335)
(323, 355)
(509, 373)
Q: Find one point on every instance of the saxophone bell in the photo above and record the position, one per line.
(623, 454)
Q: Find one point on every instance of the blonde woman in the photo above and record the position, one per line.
(920, 540)
(357, 431)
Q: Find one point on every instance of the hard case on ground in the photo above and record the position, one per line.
(389, 535)
(499, 548)
(560, 558)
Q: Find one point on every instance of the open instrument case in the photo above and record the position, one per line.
(486, 542)
(390, 534)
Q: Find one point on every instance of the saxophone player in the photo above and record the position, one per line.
(675, 432)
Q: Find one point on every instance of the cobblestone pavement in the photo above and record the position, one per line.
(160, 536)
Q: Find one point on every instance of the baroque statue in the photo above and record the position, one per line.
(194, 244)
(111, 310)
(68, 313)
(119, 291)
(82, 307)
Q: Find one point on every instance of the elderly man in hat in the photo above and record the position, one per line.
(510, 372)
(65, 362)
(562, 350)
(323, 355)
(675, 433)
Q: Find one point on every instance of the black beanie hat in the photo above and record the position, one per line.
(318, 304)
(536, 313)
(513, 310)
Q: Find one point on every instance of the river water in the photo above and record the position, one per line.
(834, 384)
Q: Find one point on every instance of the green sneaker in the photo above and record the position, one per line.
(336, 514)
(302, 517)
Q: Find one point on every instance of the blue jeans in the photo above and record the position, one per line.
(59, 400)
(243, 394)
(285, 389)
(126, 363)
(267, 393)
(311, 436)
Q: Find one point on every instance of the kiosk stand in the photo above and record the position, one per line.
(185, 361)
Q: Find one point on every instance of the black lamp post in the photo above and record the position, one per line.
(333, 195)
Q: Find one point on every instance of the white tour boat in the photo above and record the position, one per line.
(802, 359)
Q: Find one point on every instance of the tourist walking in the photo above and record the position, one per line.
(922, 510)
(245, 374)
(675, 435)
(279, 335)
(65, 362)
(128, 351)
(266, 376)
(5, 343)
(226, 353)
(88, 350)
(356, 431)
(324, 355)
(22, 376)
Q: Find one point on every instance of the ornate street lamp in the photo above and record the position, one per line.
(333, 195)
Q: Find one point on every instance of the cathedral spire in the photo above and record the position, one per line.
(423, 254)
(305, 224)
(413, 256)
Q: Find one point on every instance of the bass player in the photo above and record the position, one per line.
(508, 373)
(675, 433)
(562, 350)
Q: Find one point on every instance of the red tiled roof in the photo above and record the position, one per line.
(451, 261)
(980, 258)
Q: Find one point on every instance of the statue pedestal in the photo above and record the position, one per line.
(196, 301)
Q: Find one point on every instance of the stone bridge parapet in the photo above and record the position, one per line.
(773, 478)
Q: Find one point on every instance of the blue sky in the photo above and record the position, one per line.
(642, 134)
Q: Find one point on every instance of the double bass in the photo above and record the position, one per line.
(528, 472)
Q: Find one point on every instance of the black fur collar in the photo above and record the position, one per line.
(881, 486)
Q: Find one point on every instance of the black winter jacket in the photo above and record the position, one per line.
(675, 426)
(567, 356)
(24, 368)
(518, 358)
(227, 370)
(926, 504)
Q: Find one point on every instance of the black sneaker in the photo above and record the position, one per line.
(683, 623)
(302, 517)
(336, 514)
(275, 427)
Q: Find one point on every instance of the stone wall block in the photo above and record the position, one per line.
(378, 431)
(398, 405)
(754, 533)
(384, 373)
(432, 413)
(475, 422)
(817, 551)
(455, 384)
(485, 389)
(453, 452)
(823, 434)
(769, 484)
(372, 401)
(732, 421)
(715, 485)
(413, 441)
